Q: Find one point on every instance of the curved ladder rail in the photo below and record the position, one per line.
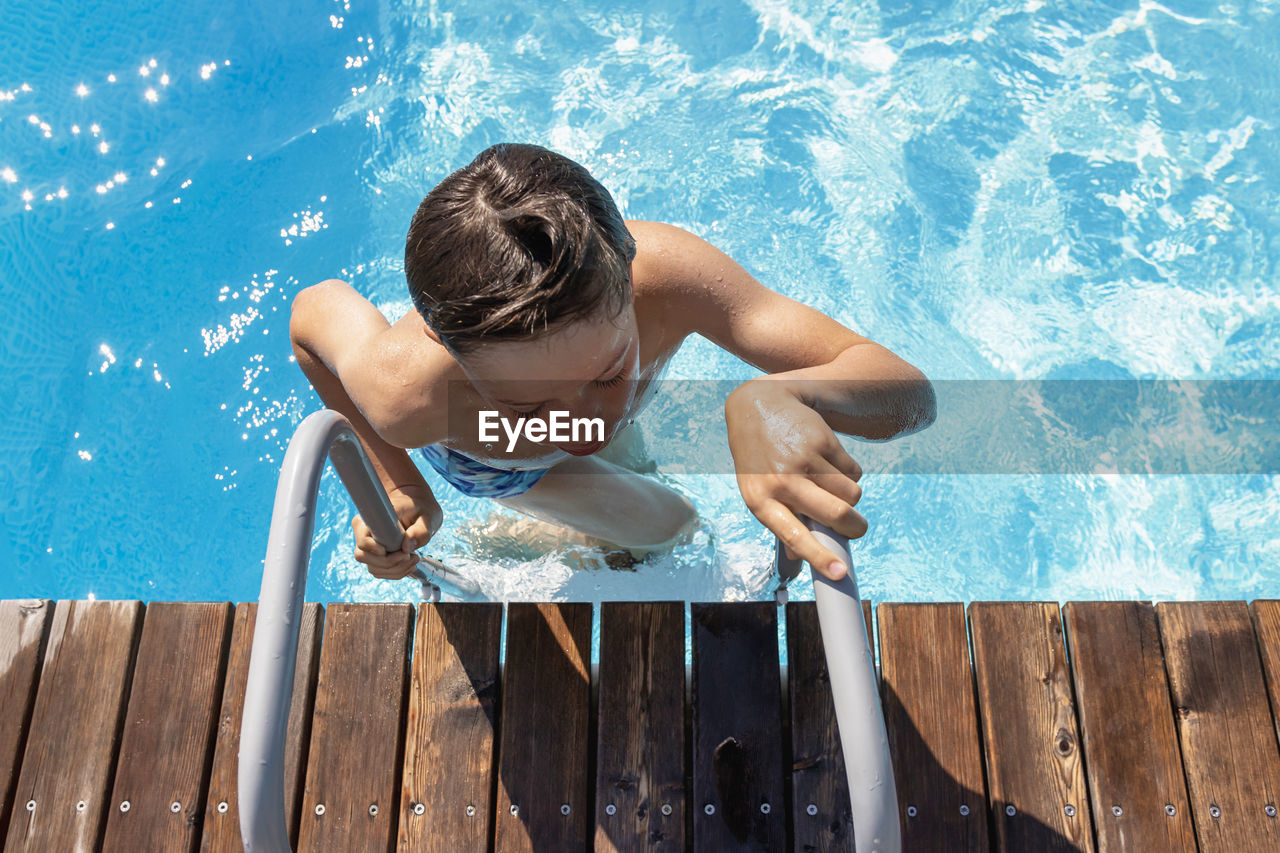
(260, 775)
(873, 793)
(269, 688)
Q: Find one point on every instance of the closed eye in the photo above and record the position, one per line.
(614, 381)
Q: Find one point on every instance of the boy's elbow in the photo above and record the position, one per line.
(298, 311)
(916, 405)
(924, 406)
(302, 311)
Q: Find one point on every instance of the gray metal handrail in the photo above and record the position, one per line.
(260, 776)
(873, 793)
(269, 688)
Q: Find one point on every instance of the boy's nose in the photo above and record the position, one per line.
(598, 409)
(586, 405)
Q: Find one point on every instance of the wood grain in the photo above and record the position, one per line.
(357, 729)
(1035, 773)
(818, 779)
(640, 752)
(222, 812)
(738, 779)
(931, 718)
(446, 799)
(1229, 753)
(1266, 624)
(23, 626)
(70, 756)
(1130, 743)
(543, 790)
(167, 743)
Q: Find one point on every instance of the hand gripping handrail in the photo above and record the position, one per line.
(873, 794)
(269, 687)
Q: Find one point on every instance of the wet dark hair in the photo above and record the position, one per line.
(519, 240)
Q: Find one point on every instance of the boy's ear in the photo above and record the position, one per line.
(435, 336)
(431, 333)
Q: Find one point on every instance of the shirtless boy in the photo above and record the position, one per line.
(533, 296)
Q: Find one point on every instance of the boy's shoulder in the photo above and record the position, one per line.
(698, 289)
(676, 272)
(667, 258)
(671, 261)
(411, 373)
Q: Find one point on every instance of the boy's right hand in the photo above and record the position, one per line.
(420, 516)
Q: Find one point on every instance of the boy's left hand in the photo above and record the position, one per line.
(788, 462)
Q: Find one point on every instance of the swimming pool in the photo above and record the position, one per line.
(993, 191)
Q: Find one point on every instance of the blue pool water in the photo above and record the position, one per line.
(993, 191)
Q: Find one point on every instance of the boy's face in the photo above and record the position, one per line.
(587, 368)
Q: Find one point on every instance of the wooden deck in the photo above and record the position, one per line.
(1100, 726)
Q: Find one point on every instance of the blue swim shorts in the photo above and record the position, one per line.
(478, 479)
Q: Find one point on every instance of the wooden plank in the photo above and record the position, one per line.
(222, 813)
(23, 626)
(167, 742)
(69, 759)
(1266, 623)
(1034, 773)
(446, 801)
(1130, 744)
(927, 690)
(737, 734)
(546, 704)
(357, 734)
(821, 819)
(1229, 752)
(640, 742)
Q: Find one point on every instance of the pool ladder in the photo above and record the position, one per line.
(327, 433)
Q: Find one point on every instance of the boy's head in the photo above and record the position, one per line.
(519, 241)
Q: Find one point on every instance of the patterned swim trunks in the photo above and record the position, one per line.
(478, 479)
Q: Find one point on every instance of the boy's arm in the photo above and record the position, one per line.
(334, 330)
(858, 386)
(822, 376)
